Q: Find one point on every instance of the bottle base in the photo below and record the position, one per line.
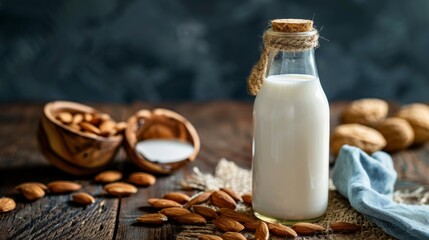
(284, 221)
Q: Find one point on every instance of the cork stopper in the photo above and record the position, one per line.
(292, 25)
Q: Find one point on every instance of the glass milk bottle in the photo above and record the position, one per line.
(291, 138)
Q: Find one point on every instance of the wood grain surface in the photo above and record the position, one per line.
(225, 129)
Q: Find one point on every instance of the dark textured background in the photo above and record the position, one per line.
(122, 51)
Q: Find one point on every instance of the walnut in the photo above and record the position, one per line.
(417, 114)
(369, 111)
(366, 138)
(398, 133)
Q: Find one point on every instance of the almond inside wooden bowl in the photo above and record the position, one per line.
(159, 124)
(74, 148)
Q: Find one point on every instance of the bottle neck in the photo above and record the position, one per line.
(287, 62)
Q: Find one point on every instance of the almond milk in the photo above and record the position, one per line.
(164, 150)
(290, 149)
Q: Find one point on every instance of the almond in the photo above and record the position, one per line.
(281, 230)
(120, 189)
(247, 198)
(108, 128)
(65, 117)
(252, 225)
(206, 212)
(303, 228)
(228, 225)
(177, 197)
(223, 200)
(208, 237)
(90, 128)
(77, 118)
(121, 126)
(142, 179)
(262, 232)
(88, 117)
(93, 135)
(344, 227)
(96, 119)
(32, 192)
(201, 198)
(232, 194)
(152, 219)
(63, 186)
(165, 203)
(108, 176)
(41, 185)
(83, 198)
(104, 117)
(75, 126)
(237, 216)
(7, 204)
(233, 236)
(174, 212)
(152, 200)
(191, 219)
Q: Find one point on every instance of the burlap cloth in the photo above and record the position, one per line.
(228, 174)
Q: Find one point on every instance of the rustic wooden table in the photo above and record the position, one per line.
(225, 129)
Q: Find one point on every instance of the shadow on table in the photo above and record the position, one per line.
(12, 176)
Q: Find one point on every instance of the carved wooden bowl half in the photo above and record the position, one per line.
(159, 124)
(71, 150)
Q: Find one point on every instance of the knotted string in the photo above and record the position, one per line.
(278, 41)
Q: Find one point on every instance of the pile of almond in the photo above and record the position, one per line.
(365, 124)
(100, 124)
(219, 208)
(33, 191)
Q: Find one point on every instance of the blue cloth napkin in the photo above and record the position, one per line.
(368, 181)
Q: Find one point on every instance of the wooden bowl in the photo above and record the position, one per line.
(159, 124)
(71, 150)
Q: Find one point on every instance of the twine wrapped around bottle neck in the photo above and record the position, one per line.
(279, 41)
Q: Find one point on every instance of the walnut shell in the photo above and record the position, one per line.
(398, 133)
(369, 111)
(417, 114)
(366, 138)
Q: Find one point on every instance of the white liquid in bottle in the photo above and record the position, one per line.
(291, 148)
